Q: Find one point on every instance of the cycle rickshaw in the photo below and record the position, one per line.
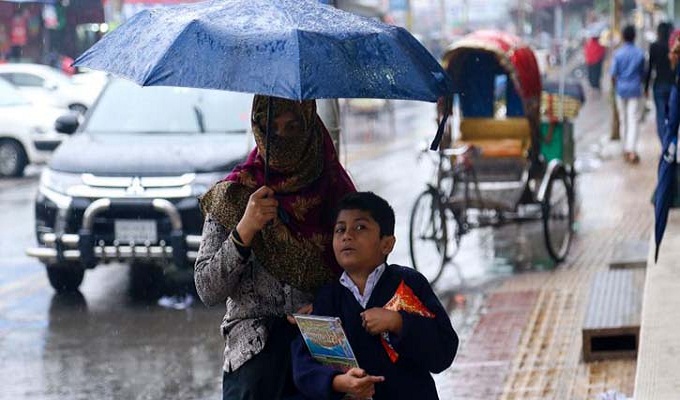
(493, 171)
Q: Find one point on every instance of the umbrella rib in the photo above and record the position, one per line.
(299, 70)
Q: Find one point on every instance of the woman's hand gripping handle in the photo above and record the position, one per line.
(261, 210)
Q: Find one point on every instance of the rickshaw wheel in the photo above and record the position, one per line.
(427, 235)
(558, 215)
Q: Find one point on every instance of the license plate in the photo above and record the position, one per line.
(138, 231)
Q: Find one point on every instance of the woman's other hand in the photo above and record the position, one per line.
(261, 209)
(306, 309)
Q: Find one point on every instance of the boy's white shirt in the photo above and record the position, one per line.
(371, 281)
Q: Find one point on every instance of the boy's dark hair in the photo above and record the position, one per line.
(629, 33)
(379, 208)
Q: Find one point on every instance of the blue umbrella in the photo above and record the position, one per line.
(666, 184)
(295, 49)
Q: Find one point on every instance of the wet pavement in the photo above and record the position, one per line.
(105, 343)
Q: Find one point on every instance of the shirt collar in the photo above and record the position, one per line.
(371, 281)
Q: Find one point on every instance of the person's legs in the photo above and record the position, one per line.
(633, 123)
(592, 76)
(268, 375)
(623, 120)
(598, 75)
(661, 95)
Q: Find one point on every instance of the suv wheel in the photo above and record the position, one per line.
(65, 278)
(13, 159)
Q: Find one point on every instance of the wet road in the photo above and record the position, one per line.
(100, 343)
(105, 344)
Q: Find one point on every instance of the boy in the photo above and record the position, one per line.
(397, 327)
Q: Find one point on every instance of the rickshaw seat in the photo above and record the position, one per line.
(497, 138)
(498, 148)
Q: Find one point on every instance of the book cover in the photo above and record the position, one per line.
(326, 341)
(403, 300)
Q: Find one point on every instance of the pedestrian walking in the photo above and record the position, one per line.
(627, 71)
(266, 249)
(594, 54)
(659, 67)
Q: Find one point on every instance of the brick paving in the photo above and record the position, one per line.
(490, 349)
(526, 344)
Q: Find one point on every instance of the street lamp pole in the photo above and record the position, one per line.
(615, 7)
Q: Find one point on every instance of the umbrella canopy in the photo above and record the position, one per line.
(295, 49)
(513, 55)
(595, 29)
(475, 60)
(666, 184)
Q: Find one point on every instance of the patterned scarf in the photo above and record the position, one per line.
(308, 181)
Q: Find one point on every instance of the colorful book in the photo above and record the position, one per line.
(326, 341)
(403, 300)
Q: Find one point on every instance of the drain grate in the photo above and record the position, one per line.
(611, 327)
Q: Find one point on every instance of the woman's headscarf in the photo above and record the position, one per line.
(308, 181)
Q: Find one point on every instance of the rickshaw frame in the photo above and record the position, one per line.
(441, 214)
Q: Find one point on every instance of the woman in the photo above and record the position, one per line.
(266, 249)
(659, 63)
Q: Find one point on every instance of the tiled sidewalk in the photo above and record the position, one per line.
(527, 342)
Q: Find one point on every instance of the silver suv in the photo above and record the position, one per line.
(125, 186)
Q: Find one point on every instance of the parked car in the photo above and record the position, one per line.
(27, 134)
(42, 83)
(90, 81)
(125, 186)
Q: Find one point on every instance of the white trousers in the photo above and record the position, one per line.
(629, 121)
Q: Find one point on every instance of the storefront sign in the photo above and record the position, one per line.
(19, 31)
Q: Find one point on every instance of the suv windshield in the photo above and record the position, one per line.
(125, 107)
(10, 95)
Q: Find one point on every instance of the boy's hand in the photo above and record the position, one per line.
(306, 309)
(356, 383)
(378, 320)
(261, 209)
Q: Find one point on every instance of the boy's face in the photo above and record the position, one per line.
(357, 243)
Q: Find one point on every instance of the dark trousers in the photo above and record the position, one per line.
(268, 375)
(594, 75)
(662, 92)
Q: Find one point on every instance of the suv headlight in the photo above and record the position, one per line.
(59, 182)
(204, 181)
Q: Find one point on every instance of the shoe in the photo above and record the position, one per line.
(631, 157)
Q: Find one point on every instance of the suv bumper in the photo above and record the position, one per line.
(181, 248)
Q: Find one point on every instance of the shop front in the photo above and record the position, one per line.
(45, 31)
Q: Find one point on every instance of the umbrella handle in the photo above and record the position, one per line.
(270, 116)
(447, 106)
(440, 133)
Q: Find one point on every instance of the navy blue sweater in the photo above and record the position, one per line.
(425, 344)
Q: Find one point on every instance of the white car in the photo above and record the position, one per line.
(27, 132)
(44, 84)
